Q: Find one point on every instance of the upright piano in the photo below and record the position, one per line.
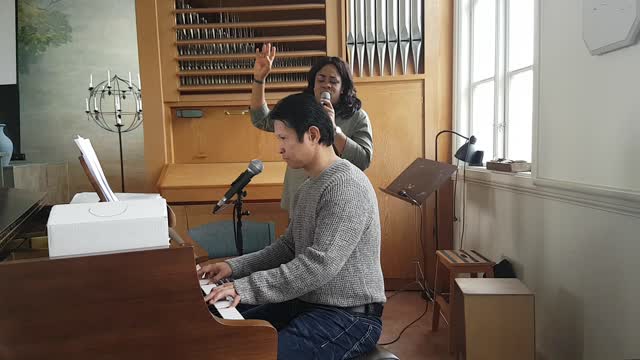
(134, 305)
(17, 207)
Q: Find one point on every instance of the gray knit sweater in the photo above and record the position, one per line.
(358, 149)
(330, 253)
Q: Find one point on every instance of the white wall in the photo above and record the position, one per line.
(589, 105)
(7, 42)
(580, 260)
(573, 233)
(53, 92)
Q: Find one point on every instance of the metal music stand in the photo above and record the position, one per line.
(414, 185)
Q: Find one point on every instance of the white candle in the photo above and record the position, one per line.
(140, 108)
(95, 104)
(86, 101)
(130, 85)
(108, 78)
(117, 103)
(139, 83)
(90, 81)
(137, 105)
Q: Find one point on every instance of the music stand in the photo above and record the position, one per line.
(415, 184)
(171, 216)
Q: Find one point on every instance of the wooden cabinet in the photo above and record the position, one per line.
(185, 156)
(224, 134)
(494, 319)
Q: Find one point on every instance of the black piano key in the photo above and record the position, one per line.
(214, 311)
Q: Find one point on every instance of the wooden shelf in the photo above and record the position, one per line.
(301, 29)
(237, 87)
(247, 71)
(259, 40)
(284, 54)
(241, 9)
(254, 24)
(209, 182)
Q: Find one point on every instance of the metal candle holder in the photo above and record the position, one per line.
(111, 105)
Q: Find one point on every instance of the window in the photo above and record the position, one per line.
(495, 74)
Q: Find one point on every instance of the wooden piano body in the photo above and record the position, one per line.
(135, 305)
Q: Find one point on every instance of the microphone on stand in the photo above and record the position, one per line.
(255, 167)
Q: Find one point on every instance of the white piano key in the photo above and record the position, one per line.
(230, 313)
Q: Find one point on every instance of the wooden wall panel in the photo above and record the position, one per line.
(156, 123)
(218, 137)
(438, 52)
(396, 113)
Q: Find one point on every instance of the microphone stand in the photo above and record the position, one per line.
(238, 214)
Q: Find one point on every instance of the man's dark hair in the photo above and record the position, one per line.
(349, 102)
(302, 111)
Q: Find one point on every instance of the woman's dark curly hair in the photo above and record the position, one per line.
(349, 102)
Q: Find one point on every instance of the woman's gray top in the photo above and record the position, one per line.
(358, 149)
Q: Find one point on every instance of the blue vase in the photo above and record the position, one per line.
(6, 146)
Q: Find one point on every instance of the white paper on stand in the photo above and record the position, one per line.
(93, 164)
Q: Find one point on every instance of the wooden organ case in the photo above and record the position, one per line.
(198, 55)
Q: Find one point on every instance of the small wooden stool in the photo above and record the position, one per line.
(457, 262)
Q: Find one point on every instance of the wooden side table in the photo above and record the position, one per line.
(456, 262)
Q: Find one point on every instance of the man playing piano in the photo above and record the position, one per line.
(321, 284)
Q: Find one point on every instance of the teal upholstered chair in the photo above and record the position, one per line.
(218, 240)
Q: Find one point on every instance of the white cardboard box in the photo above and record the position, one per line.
(91, 197)
(106, 227)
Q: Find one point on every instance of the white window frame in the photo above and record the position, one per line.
(462, 75)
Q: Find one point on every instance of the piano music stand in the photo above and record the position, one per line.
(171, 216)
(414, 185)
(92, 180)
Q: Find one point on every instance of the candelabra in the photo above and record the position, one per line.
(113, 103)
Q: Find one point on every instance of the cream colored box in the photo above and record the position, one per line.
(107, 227)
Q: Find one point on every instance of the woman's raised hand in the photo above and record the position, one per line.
(264, 61)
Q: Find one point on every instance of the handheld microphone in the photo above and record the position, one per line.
(255, 167)
(325, 96)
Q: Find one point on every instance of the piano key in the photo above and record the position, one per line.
(226, 312)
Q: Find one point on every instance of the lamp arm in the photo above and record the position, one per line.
(435, 227)
(450, 132)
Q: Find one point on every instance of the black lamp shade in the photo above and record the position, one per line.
(468, 153)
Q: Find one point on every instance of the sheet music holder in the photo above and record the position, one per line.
(419, 180)
(92, 168)
(414, 185)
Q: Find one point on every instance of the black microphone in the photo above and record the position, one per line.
(255, 167)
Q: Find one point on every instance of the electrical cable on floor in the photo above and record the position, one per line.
(455, 188)
(418, 281)
(464, 201)
(426, 307)
(420, 278)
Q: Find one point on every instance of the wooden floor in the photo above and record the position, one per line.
(418, 341)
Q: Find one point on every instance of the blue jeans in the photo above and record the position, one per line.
(312, 331)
